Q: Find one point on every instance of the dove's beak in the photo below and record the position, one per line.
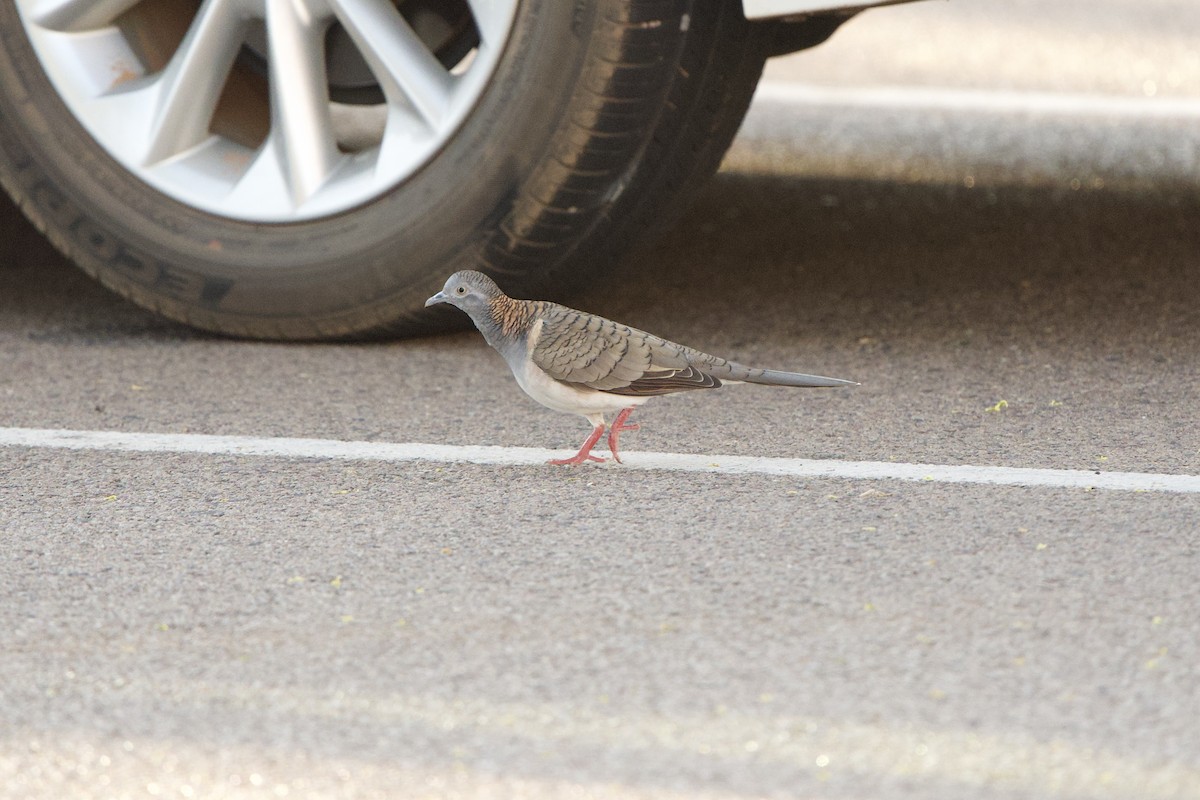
(440, 297)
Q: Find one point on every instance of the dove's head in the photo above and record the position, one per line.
(468, 290)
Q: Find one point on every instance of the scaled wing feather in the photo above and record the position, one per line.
(591, 351)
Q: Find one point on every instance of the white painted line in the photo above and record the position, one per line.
(910, 98)
(530, 457)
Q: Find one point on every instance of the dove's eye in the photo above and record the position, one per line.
(461, 290)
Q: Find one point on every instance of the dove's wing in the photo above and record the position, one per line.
(580, 348)
(587, 350)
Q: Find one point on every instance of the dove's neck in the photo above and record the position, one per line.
(506, 324)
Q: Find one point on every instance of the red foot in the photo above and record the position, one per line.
(614, 431)
(576, 460)
(584, 453)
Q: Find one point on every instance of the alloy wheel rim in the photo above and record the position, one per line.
(237, 109)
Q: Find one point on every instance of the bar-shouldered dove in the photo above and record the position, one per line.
(580, 363)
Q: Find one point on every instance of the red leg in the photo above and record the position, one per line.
(614, 430)
(584, 453)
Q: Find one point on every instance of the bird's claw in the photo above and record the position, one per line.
(576, 460)
(614, 432)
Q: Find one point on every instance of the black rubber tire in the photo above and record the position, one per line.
(602, 117)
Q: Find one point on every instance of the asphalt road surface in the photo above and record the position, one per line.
(187, 625)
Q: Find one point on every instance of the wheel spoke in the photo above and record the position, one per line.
(401, 62)
(265, 184)
(300, 96)
(188, 89)
(77, 15)
(491, 18)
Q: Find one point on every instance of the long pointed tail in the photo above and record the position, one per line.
(775, 377)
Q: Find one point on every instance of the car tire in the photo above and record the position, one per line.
(600, 119)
